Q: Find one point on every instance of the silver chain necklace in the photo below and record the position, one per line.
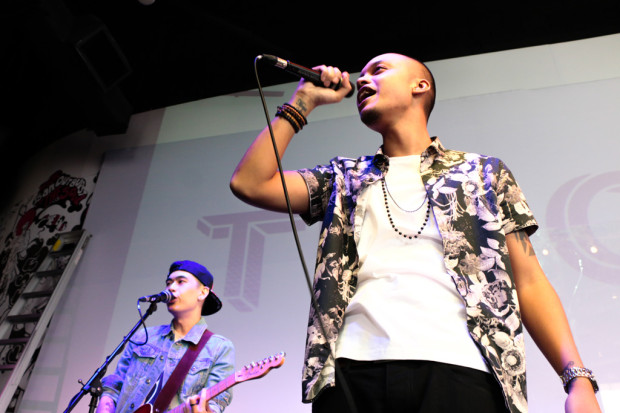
(386, 191)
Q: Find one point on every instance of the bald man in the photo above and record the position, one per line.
(425, 276)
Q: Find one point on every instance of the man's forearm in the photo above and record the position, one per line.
(257, 181)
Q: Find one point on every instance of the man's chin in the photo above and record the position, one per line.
(369, 117)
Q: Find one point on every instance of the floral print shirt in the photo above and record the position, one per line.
(476, 202)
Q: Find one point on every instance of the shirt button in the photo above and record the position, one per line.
(132, 405)
(148, 381)
(161, 357)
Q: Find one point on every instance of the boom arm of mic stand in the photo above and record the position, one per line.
(93, 385)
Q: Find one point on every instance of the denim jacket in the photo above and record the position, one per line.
(476, 202)
(140, 366)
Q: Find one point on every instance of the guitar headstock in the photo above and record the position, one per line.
(255, 370)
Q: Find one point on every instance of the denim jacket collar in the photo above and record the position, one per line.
(194, 334)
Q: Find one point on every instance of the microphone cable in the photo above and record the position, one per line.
(146, 331)
(315, 305)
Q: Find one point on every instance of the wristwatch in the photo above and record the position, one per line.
(573, 372)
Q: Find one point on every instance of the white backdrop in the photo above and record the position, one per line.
(556, 127)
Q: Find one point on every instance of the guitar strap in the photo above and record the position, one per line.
(178, 375)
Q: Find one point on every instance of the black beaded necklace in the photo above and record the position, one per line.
(386, 191)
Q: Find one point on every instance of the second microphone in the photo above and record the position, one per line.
(163, 297)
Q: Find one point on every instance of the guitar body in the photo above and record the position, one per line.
(248, 372)
(145, 408)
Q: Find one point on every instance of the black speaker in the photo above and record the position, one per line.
(101, 54)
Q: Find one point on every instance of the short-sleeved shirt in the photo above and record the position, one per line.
(476, 202)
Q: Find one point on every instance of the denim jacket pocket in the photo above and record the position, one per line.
(135, 390)
(145, 356)
(197, 376)
(147, 350)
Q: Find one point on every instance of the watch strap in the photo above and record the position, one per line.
(573, 372)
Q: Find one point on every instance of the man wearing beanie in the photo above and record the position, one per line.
(150, 358)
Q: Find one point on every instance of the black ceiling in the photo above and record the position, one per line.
(144, 57)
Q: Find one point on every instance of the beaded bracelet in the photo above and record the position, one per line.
(285, 115)
(293, 116)
(295, 112)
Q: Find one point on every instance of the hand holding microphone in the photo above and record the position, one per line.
(311, 75)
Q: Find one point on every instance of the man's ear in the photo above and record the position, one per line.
(205, 292)
(420, 86)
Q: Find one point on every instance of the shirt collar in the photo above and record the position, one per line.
(382, 161)
(435, 147)
(194, 334)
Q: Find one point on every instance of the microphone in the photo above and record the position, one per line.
(163, 297)
(313, 76)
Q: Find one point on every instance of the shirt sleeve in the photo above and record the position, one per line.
(319, 183)
(515, 211)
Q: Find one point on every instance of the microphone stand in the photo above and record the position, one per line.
(93, 385)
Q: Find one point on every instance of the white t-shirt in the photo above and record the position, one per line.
(406, 306)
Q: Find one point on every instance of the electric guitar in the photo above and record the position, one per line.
(251, 371)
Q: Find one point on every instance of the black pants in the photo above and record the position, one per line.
(412, 387)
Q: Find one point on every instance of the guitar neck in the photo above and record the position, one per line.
(249, 372)
(221, 386)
